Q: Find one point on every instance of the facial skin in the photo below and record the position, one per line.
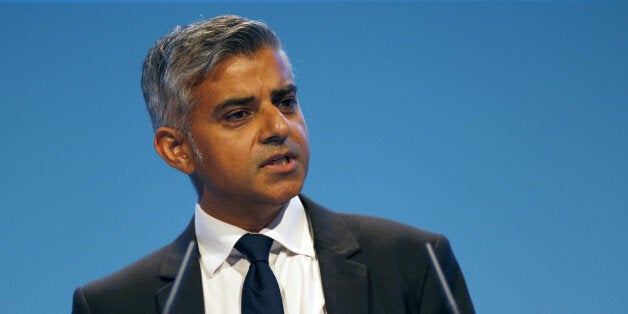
(251, 136)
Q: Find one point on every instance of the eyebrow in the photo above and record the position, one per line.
(282, 92)
(275, 96)
(234, 102)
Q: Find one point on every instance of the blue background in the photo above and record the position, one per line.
(501, 125)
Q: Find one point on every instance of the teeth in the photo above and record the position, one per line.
(280, 161)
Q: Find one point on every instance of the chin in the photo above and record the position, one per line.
(285, 194)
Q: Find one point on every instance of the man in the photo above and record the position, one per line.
(223, 103)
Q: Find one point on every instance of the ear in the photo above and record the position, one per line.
(174, 149)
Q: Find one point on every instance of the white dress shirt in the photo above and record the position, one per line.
(292, 259)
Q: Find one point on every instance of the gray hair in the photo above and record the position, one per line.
(182, 59)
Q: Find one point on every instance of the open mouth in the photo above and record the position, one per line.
(280, 161)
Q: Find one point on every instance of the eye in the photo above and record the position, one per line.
(236, 116)
(288, 105)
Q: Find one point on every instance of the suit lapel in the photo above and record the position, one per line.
(342, 277)
(190, 296)
(334, 244)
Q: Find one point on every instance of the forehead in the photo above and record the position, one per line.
(242, 73)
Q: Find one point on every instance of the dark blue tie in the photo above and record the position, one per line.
(260, 293)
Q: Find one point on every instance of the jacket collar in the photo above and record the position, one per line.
(334, 243)
(189, 298)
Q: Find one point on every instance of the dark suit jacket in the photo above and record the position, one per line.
(368, 265)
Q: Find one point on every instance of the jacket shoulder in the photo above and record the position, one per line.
(383, 231)
(399, 269)
(132, 287)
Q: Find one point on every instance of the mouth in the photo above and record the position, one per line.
(285, 162)
(280, 161)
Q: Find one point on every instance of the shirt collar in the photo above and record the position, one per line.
(216, 238)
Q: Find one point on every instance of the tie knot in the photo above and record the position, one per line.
(255, 247)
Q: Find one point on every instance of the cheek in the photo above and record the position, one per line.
(240, 153)
(302, 140)
(301, 129)
(234, 153)
(222, 153)
(305, 141)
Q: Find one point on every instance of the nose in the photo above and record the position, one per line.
(276, 127)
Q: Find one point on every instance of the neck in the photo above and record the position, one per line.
(250, 217)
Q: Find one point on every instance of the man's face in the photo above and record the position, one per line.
(249, 132)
